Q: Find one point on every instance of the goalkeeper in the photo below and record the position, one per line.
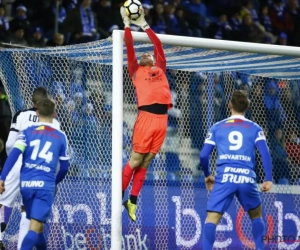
(153, 101)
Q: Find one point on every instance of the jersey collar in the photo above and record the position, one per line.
(237, 117)
(46, 124)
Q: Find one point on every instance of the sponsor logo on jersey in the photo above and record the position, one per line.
(238, 179)
(237, 170)
(32, 183)
(36, 166)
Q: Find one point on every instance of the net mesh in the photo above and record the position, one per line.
(171, 207)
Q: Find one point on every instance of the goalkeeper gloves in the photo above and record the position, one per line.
(141, 22)
(125, 18)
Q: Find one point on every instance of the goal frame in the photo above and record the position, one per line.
(117, 101)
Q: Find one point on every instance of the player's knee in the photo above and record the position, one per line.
(213, 217)
(255, 213)
(134, 163)
(145, 164)
(136, 160)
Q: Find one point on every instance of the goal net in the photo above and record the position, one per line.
(171, 208)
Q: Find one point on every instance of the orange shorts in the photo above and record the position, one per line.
(149, 132)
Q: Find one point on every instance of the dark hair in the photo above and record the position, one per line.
(46, 107)
(39, 94)
(239, 100)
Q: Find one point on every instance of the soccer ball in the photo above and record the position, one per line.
(133, 9)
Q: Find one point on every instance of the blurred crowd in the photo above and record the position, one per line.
(62, 22)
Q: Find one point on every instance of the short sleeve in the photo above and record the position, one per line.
(210, 137)
(15, 126)
(64, 152)
(259, 135)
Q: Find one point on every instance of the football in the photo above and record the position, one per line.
(133, 9)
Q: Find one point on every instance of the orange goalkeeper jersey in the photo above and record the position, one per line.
(151, 85)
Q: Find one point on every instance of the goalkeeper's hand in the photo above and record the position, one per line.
(141, 22)
(125, 18)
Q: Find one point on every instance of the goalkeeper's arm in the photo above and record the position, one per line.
(159, 54)
(131, 57)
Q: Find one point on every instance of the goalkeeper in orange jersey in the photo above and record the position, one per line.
(153, 101)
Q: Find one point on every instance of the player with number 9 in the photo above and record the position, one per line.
(42, 146)
(235, 139)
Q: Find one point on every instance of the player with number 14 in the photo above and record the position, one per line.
(42, 146)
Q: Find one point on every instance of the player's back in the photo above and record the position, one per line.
(44, 146)
(235, 140)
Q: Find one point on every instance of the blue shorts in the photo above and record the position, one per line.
(37, 203)
(223, 194)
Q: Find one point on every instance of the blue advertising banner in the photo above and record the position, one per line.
(169, 218)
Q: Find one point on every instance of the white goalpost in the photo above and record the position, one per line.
(96, 106)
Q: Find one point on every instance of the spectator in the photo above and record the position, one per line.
(173, 27)
(147, 8)
(275, 113)
(295, 91)
(21, 20)
(280, 156)
(37, 39)
(105, 19)
(5, 115)
(81, 23)
(292, 8)
(220, 30)
(248, 9)
(50, 16)
(58, 40)
(281, 19)
(293, 151)
(18, 36)
(282, 39)
(4, 24)
(196, 16)
(235, 23)
(250, 32)
(174, 112)
(265, 19)
(197, 107)
(182, 23)
(158, 20)
(219, 99)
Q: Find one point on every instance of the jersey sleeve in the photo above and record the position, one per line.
(64, 154)
(15, 123)
(159, 55)
(259, 135)
(21, 142)
(210, 137)
(131, 57)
